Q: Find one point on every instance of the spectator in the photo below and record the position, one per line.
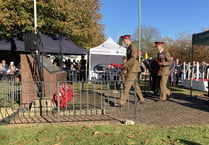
(172, 78)
(4, 68)
(83, 68)
(71, 73)
(64, 67)
(11, 69)
(178, 71)
(109, 73)
(55, 63)
(4, 64)
(68, 62)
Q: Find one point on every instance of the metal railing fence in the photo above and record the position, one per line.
(70, 101)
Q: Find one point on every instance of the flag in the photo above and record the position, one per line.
(146, 56)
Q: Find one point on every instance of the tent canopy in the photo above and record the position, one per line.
(62, 44)
(104, 54)
(109, 47)
(49, 43)
(200, 38)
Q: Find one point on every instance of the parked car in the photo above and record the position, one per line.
(107, 72)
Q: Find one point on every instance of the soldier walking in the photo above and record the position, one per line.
(132, 66)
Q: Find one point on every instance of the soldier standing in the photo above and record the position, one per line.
(165, 61)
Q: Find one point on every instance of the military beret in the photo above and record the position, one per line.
(125, 37)
(158, 43)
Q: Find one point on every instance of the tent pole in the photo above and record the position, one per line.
(89, 66)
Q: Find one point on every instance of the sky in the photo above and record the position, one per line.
(170, 17)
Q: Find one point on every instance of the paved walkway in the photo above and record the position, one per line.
(178, 110)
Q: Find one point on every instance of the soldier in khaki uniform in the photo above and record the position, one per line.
(165, 61)
(132, 66)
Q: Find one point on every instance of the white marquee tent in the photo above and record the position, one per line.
(106, 53)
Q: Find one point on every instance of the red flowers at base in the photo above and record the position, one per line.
(65, 95)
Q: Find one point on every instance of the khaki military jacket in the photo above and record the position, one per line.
(132, 63)
(165, 59)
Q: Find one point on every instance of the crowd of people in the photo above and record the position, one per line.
(8, 70)
(76, 69)
(196, 70)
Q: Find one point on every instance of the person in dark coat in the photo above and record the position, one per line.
(178, 71)
(172, 80)
(154, 69)
(83, 68)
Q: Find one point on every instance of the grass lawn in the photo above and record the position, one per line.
(65, 134)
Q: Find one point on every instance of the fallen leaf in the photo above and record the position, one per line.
(130, 136)
(96, 133)
(16, 141)
(206, 136)
(60, 138)
(147, 141)
(108, 135)
(3, 137)
(77, 138)
(173, 130)
(168, 141)
(131, 143)
(26, 142)
(84, 127)
(41, 139)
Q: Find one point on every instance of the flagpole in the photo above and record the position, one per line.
(139, 27)
(39, 54)
(35, 17)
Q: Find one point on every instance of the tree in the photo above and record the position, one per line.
(183, 46)
(180, 48)
(76, 19)
(170, 45)
(148, 36)
(201, 51)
